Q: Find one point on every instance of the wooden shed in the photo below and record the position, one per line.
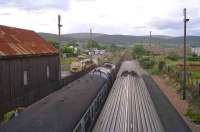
(29, 67)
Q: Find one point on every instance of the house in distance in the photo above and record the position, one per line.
(29, 66)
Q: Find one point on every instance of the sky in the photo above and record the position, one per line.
(127, 17)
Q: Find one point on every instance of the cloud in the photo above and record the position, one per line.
(175, 26)
(134, 17)
(164, 24)
(5, 14)
(36, 4)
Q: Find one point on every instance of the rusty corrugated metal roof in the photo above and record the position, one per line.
(15, 41)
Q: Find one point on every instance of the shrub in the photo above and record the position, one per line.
(147, 62)
(154, 71)
(173, 56)
(138, 50)
(193, 58)
(161, 65)
(195, 117)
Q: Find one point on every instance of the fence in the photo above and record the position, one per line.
(192, 83)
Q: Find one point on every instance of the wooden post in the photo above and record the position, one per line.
(184, 71)
(150, 40)
(91, 41)
(60, 47)
(199, 88)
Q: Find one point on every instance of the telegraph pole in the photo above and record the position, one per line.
(150, 41)
(91, 43)
(60, 48)
(90, 34)
(59, 38)
(184, 72)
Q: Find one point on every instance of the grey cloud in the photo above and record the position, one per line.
(84, 27)
(175, 23)
(164, 24)
(195, 33)
(141, 27)
(44, 24)
(36, 4)
(5, 14)
(194, 22)
(108, 29)
(175, 26)
(194, 27)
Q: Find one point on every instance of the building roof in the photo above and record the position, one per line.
(21, 42)
(59, 111)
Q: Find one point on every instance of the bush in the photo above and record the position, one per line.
(172, 56)
(70, 51)
(195, 117)
(161, 65)
(147, 62)
(55, 44)
(193, 58)
(154, 71)
(138, 50)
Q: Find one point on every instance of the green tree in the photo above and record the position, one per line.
(92, 44)
(138, 51)
(68, 49)
(54, 43)
(113, 48)
(173, 56)
(72, 43)
(161, 65)
(147, 62)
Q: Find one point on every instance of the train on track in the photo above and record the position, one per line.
(74, 108)
(129, 107)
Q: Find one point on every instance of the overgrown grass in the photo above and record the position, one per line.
(196, 74)
(195, 117)
(68, 60)
(193, 112)
(172, 64)
(154, 71)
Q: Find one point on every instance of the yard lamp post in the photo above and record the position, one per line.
(184, 66)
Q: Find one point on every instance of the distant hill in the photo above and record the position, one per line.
(83, 36)
(125, 40)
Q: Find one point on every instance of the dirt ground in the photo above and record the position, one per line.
(175, 99)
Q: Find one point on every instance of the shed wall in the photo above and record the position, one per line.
(11, 80)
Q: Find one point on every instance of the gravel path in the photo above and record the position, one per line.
(180, 105)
